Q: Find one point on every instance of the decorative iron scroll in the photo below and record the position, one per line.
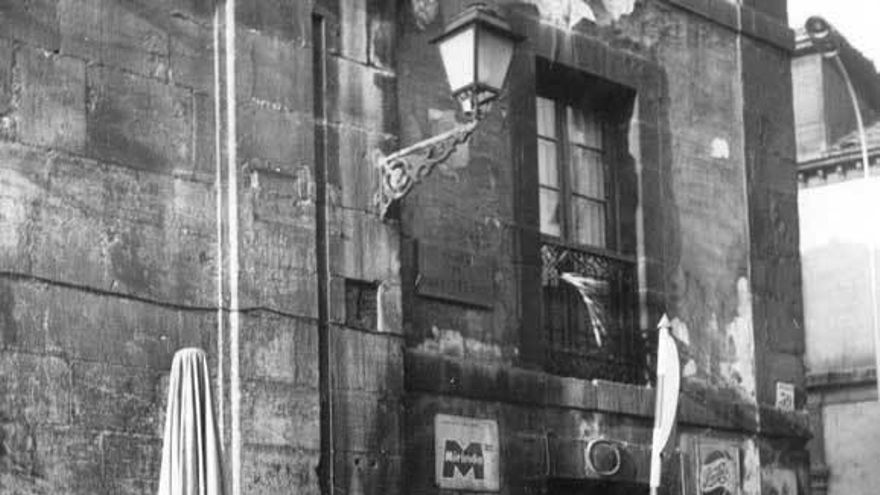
(405, 168)
(570, 348)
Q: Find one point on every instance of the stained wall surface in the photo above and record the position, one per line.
(717, 199)
(136, 178)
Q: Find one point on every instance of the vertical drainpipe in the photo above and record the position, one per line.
(232, 255)
(740, 62)
(326, 471)
(218, 216)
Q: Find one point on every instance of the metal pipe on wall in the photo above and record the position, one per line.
(322, 255)
(232, 229)
(227, 249)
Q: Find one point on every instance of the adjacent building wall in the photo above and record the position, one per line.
(834, 244)
(715, 155)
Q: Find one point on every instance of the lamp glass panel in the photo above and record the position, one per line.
(457, 52)
(494, 53)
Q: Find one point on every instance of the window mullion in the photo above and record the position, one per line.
(610, 157)
(563, 158)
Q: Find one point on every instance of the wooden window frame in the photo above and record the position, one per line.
(569, 349)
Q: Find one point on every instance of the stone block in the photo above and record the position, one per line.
(204, 126)
(282, 350)
(281, 415)
(275, 72)
(367, 362)
(279, 471)
(197, 10)
(104, 329)
(273, 275)
(264, 284)
(390, 307)
(70, 460)
(34, 388)
(24, 173)
(34, 22)
(275, 139)
(116, 398)
(21, 319)
(350, 165)
(363, 423)
(528, 457)
(128, 35)
(276, 248)
(150, 235)
(286, 203)
(192, 54)
(139, 122)
(354, 37)
(360, 96)
(382, 27)
(52, 108)
(371, 473)
(7, 51)
(357, 229)
(278, 18)
(130, 459)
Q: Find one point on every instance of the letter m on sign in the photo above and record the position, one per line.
(463, 460)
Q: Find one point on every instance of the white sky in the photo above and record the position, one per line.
(857, 20)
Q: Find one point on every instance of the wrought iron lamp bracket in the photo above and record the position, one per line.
(403, 169)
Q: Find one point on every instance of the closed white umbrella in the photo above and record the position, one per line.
(666, 401)
(191, 447)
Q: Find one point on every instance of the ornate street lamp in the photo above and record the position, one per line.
(476, 47)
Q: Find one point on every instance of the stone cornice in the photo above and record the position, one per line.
(436, 374)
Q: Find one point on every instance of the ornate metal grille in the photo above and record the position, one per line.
(591, 330)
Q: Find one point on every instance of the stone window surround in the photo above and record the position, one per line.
(647, 80)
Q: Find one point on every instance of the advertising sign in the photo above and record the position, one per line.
(466, 453)
(718, 468)
(785, 396)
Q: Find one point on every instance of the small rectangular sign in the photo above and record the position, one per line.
(785, 396)
(718, 469)
(466, 453)
(454, 275)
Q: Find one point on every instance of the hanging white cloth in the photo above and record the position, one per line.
(191, 447)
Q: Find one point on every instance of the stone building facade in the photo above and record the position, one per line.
(189, 173)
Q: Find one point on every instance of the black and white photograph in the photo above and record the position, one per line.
(439, 247)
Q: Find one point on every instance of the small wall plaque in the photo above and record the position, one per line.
(453, 275)
(785, 396)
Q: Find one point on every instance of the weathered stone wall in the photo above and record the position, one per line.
(367, 357)
(715, 150)
(108, 243)
(775, 264)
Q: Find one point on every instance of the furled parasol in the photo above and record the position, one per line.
(191, 447)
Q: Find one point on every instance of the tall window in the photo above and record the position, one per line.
(589, 286)
(574, 195)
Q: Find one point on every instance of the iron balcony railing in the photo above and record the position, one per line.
(590, 315)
